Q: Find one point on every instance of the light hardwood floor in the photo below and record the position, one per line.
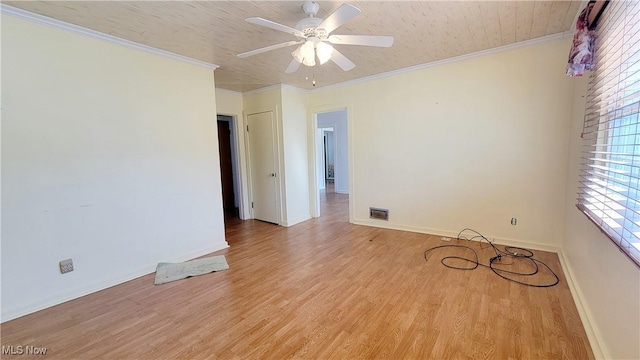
(320, 289)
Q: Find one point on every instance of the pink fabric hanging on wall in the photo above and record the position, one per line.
(581, 54)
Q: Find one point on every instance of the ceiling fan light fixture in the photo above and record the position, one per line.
(308, 53)
(297, 54)
(324, 51)
(310, 61)
(315, 36)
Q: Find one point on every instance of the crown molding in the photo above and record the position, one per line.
(275, 87)
(477, 54)
(44, 20)
(230, 92)
(264, 89)
(294, 88)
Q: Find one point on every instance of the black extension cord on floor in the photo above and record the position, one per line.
(508, 252)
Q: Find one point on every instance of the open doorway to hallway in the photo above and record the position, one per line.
(332, 157)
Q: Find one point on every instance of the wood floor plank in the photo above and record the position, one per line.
(320, 289)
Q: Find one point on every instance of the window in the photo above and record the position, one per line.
(609, 193)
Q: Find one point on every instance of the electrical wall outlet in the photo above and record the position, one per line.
(514, 221)
(66, 266)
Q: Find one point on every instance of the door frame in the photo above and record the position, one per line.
(235, 161)
(312, 122)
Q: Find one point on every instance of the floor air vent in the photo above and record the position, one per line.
(379, 214)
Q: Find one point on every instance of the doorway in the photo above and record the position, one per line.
(331, 142)
(228, 169)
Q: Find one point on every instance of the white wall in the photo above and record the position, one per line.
(229, 103)
(294, 129)
(608, 283)
(338, 120)
(109, 157)
(467, 144)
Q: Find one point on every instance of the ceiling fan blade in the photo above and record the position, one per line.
(293, 66)
(339, 17)
(341, 60)
(366, 40)
(268, 48)
(274, 25)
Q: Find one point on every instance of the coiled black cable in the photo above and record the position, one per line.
(515, 253)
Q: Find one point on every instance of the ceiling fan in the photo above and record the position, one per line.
(313, 36)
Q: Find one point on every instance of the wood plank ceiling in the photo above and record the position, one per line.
(215, 32)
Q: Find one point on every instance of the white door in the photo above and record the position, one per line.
(264, 178)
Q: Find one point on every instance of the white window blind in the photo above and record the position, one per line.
(609, 193)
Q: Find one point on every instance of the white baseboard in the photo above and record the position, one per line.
(595, 340)
(597, 344)
(453, 234)
(57, 299)
(296, 220)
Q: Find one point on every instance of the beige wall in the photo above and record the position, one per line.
(607, 282)
(267, 98)
(294, 126)
(109, 157)
(467, 144)
(229, 103)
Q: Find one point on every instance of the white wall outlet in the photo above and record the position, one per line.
(514, 221)
(66, 266)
